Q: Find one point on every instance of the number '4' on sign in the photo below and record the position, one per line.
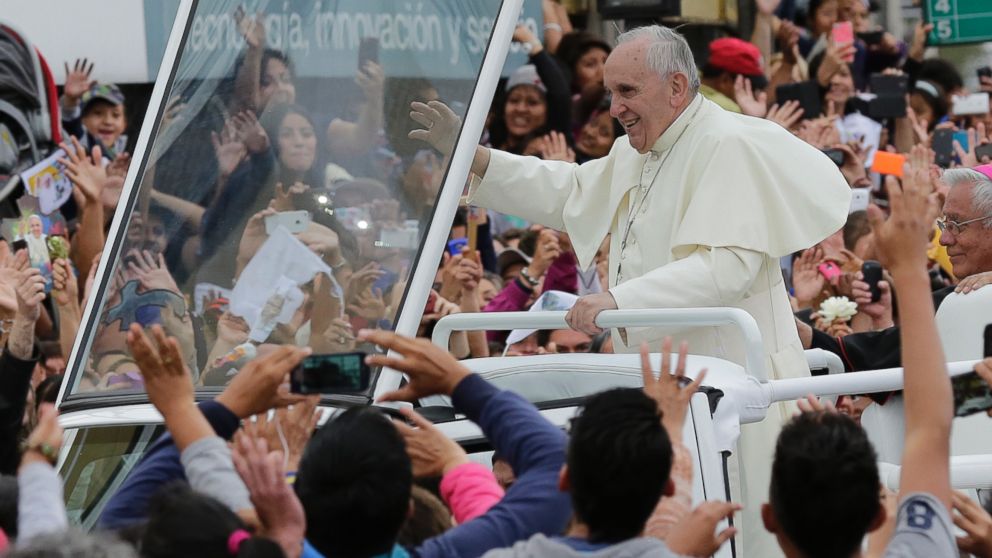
(942, 6)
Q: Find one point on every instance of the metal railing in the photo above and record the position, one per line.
(675, 317)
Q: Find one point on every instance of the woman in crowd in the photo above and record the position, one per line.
(536, 101)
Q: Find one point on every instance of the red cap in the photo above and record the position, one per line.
(735, 56)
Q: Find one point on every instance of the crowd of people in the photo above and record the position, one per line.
(271, 223)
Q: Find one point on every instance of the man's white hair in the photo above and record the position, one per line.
(668, 52)
(981, 194)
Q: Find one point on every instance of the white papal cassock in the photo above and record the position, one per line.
(718, 199)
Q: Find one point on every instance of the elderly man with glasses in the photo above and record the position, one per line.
(966, 233)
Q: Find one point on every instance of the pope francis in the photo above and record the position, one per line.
(700, 204)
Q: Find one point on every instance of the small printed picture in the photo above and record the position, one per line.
(44, 236)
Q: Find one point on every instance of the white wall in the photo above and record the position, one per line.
(111, 33)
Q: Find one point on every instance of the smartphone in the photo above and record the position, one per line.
(871, 37)
(943, 146)
(872, 273)
(889, 86)
(835, 155)
(330, 374)
(457, 245)
(368, 51)
(294, 221)
(829, 270)
(984, 71)
(19, 244)
(806, 92)
(353, 218)
(860, 198)
(890, 96)
(962, 138)
(407, 239)
(843, 34)
(976, 103)
(982, 151)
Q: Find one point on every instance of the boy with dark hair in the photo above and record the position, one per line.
(93, 112)
(355, 478)
(824, 488)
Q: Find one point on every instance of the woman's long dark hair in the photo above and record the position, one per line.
(272, 120)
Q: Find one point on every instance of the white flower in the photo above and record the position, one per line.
(837, 307)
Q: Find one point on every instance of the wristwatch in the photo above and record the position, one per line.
(530, 280)
(48, 451)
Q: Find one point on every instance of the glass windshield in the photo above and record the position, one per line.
(279, 199)
(99, 461)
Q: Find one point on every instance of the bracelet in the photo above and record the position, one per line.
(339, 265)
(524, 286)
(533, 282)
(290, 477)
(552, 27)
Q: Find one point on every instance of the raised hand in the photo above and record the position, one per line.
(811, 404)
(901, 239)
(879, 311)
(86, 172)
(976, 524)
(118, 167)
(431, 452)
(440, 125)
(371, 80)
(252, 29)
(369, 304)
(151, 271)
(294, 425)
(666, 389)
(468, 274)
(254, 236)
(248, 130)
(430, 369)
(166, 378)
(77, 80)
(807, 281)
(975, 136)
(554, 147)
(45, 440)
(322, 241)
(752, 104)
(277, 506)
(283, 200)
(65, 288)
(786, 115)
(263, 383)
(228, 150)
(30, 287)
(696, 534)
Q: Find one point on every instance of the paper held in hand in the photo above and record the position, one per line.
(48, 182)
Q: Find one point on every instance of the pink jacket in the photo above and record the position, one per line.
(470, 490)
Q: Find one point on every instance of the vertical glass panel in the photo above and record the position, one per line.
(280, 200)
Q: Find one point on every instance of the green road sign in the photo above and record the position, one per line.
(958, 21)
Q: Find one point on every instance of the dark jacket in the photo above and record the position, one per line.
(15, 381)
(870, 350)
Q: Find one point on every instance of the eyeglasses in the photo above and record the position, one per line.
(955, 228)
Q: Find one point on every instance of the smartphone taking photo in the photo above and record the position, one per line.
(339, 373)
(971, 392)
